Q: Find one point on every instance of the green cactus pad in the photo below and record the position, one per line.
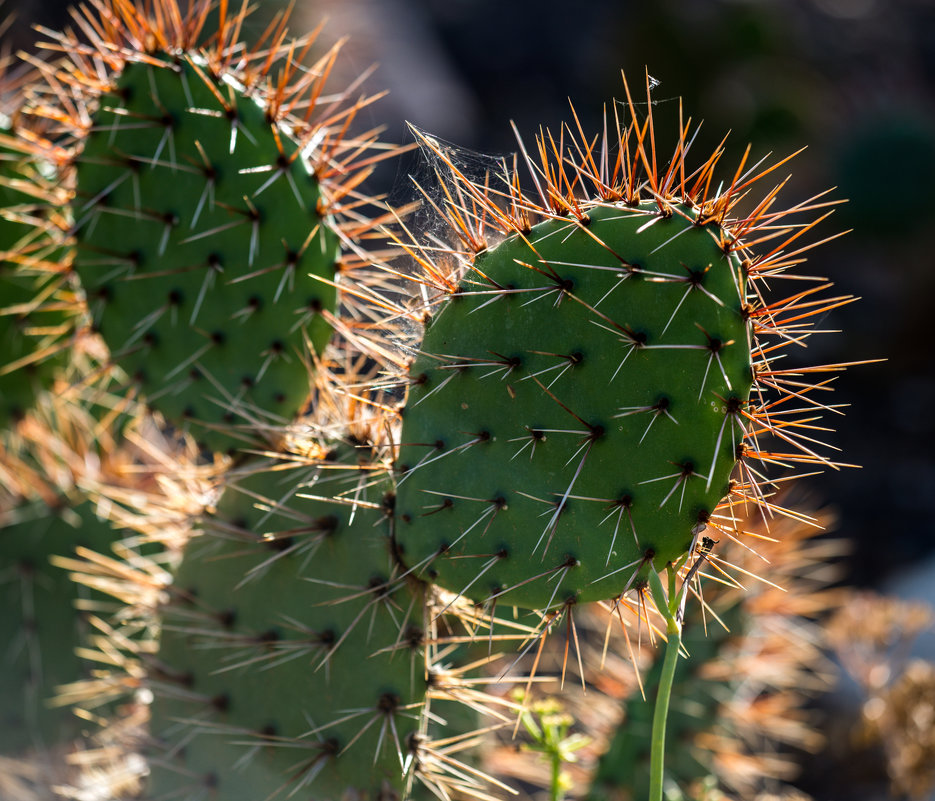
(200, 244)
(575, 412)
(34, 321)
(289, 659)
(40, 627)
(25, 334)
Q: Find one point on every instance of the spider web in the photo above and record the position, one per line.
(429, 173)
(425, 181)
(435, 156)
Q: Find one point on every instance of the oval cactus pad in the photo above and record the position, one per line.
(198, 228)
(575, 410)
(293, 662)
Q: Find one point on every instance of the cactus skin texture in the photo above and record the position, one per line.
(577, 423)
(199, 226)
(40, 628)
(286, 640)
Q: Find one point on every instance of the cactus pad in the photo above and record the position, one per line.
(199, 226)
(289, 658)
(574, 412)
(40, 628)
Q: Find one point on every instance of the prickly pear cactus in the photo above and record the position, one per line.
(290, 659)
(601, 364)
(571, 411)
(40, 627)
(208, 178)
(201, 240)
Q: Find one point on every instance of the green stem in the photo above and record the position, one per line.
(661, 712)
(557, 794)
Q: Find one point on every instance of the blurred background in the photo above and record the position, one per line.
(853, 80)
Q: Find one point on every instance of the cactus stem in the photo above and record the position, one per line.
(661, 711)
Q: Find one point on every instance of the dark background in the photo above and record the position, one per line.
(854, 80)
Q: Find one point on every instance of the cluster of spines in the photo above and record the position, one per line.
(39, 315)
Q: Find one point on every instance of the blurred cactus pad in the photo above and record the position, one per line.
(599, 369)
(41, 627)
(290, 659)
(37, 308)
